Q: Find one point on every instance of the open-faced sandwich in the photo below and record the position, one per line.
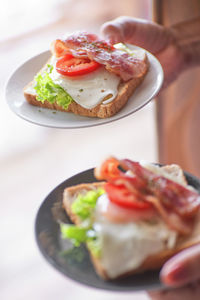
(87, 76)
(133, 220)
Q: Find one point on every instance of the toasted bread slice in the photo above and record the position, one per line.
(125, 90)
(150, 263)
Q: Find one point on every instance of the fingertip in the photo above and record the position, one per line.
(174, 274)
(112, 40)
(183, 268)
(111, 33)
(105, 29)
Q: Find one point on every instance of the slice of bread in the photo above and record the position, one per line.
(150, 263)
(125, 90)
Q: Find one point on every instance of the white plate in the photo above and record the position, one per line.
(46, 117)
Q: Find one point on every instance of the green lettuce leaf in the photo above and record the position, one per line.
(46, 89)
(75, 233)
(79, 234)
(84, 205)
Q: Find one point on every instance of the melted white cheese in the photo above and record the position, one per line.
(88, 90)
(126, 246)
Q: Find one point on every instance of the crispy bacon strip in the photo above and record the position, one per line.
(176, 204)
(173, 220)
(174, 196)
(83, 44)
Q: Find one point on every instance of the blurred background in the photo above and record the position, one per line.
(34, 159)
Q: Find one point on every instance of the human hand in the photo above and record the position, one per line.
(182, 273)
(159, 40)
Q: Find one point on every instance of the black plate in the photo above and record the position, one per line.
(76, 263)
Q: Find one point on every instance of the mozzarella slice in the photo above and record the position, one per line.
(132, 242)
(91, 89)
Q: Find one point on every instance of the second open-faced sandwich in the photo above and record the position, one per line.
(87, 76)
(133, 220)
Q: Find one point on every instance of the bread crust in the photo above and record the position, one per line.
(150, 263)
(125, 90)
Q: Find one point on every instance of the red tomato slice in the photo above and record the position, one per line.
(109, 169)
(69, 65)
(121, 196)
(118, 214)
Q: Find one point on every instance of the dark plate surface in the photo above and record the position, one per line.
(75, 263)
